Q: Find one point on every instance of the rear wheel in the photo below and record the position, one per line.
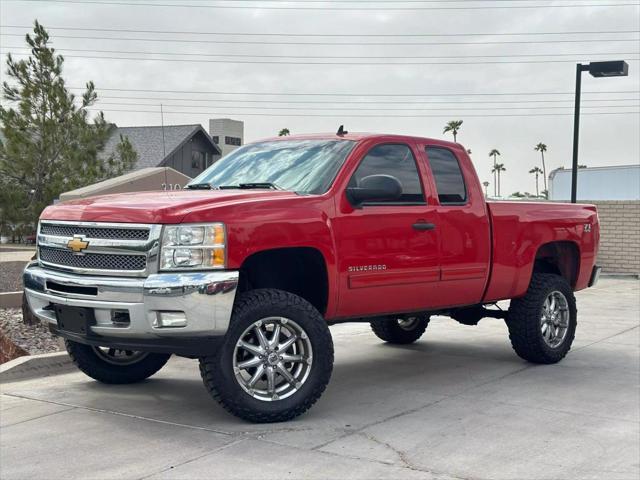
(113, 365)
(276, 359)
(400, 330)
(542, 324)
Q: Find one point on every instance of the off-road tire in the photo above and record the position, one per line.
(217, 370)
(88, 361)
(390, 330)
(524, 320)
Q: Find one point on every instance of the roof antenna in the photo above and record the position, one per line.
(341, 131)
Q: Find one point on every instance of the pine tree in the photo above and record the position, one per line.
(50, 143)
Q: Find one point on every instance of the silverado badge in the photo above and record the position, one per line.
(77, 244)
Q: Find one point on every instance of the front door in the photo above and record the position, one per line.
(388, 255)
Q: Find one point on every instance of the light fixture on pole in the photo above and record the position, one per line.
(618, 68)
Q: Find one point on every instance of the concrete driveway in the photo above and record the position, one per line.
(457, 404)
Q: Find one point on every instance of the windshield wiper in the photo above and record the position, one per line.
(199, 186)
(248, 186)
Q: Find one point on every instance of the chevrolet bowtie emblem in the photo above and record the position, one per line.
(77, 244)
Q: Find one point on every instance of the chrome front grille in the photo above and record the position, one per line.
(93, 261)
(98, 248)
(120, 233)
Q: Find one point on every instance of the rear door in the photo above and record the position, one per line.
(388, 253)
(463, 224)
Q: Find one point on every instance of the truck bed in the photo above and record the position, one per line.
(519, 229)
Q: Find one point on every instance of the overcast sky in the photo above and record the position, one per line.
(605, 139)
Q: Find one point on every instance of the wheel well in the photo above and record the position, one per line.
(299, 270)
(561, 258)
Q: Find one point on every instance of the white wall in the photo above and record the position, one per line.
(598, 183)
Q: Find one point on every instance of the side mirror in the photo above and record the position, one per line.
(375, 188)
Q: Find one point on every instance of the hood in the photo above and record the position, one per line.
(153, 207)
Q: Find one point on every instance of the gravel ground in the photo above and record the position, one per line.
(34, 339)
(11, 277)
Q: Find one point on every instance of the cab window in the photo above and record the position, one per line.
(398, 161)
(448, 176)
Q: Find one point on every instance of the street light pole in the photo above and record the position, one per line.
(576, 132)
(596, 69)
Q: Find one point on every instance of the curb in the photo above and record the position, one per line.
(11, 299)
(35, 366)
(620, 276)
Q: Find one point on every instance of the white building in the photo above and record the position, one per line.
(226, 133)
(618, 182)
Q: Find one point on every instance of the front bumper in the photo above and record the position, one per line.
(128, 311)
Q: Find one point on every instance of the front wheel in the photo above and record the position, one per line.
(275, 361)
(113, 365)
(542, 324)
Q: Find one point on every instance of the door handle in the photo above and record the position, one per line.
(424, 226)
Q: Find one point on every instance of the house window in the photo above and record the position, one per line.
(236, 141)
(216, 139)
(197, 160)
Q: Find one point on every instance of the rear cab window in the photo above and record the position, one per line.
(448, 176)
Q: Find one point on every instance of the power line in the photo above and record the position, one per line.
(346, 115)
(343, 101)
(348, 64)
(372, 1)
(270, 34)
(374, 102)
(345, 57)
(249, 42)
(358, 94)
(329, 7)
(568, 107)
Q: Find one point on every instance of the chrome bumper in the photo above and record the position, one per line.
(203, 300)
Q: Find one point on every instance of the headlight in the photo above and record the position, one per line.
(193, 247)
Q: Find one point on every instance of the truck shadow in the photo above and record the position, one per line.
(365, 384)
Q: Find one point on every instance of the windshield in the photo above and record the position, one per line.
(303, 166)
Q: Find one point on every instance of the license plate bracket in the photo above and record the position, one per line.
(76, 320)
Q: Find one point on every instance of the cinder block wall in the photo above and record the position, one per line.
(619, 235)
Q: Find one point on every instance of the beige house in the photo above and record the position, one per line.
(145, 179)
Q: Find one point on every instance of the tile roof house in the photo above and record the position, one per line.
(186, 148)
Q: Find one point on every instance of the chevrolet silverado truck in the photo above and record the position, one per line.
(247, 267)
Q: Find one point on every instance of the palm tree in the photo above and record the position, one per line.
(486, 185)
(454, 127)
(495, 154)
(499, 167)
(537, 172)
(541, 147)
(284, 132)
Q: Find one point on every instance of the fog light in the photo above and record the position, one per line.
(170, 320)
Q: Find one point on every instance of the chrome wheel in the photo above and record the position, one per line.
(116, 356)
(272, 359)
(554, 321)
(408, 323)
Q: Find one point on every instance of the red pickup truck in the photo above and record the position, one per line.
(247, 267)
